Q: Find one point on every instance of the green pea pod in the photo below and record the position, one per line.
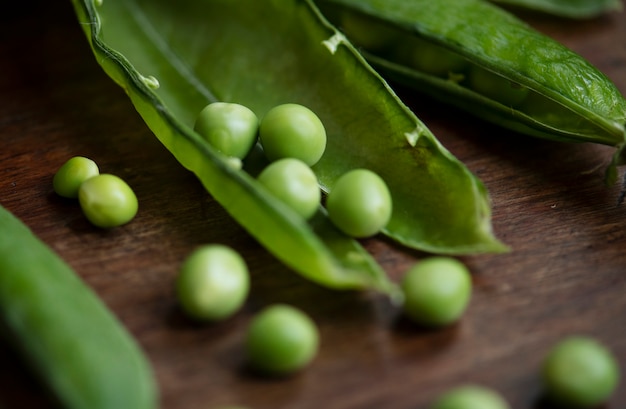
(263, 53)
(474, 55)
(574, 9)
(77, 347)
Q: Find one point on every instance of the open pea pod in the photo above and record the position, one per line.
(473, 54)
(575, 9)
(174, 58)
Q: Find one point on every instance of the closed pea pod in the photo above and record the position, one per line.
(75, 345)
(561, 96)
(575, 9)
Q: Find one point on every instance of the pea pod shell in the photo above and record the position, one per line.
(574, 9)
(74, 343)
(264, 53)
(590, 107)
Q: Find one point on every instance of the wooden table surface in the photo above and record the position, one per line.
(565, 275)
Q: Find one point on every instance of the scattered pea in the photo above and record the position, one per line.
(579, 372)
(107, 201)
(295, 183)
(471, 397)
(437, 291)
(72, 174)
(213, 283)
(359, 203)
(293, 131)
(281, 340)
(230, 128)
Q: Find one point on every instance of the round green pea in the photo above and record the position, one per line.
(579, 372)
(107, 201)
(72, 174)
(471, 397)
(281, 339)
(359, 203)
(292, 131)
(436, 291)
(230, 128)
(496, 87)
(213, 283)
(293, 182)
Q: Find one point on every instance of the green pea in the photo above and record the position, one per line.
(213, 283)
(471, 397)
(295, 183)
(359, 203)
(230, 128)
(437, 291)
(281, 339)
(496, 87)
(579, 372)
(107, 201)
(72, 174)
(293, 131)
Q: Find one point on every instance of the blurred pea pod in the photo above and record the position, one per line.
(476, 56)
(75, 345)
(173, 59)
(574, 9)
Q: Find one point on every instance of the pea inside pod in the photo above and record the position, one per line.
(514, 76)
(271, 53)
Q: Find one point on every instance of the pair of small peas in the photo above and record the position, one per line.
(294, 139)
(106, 200)
(213, 284)
(578, 373)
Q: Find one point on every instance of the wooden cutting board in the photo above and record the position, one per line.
(565, 275)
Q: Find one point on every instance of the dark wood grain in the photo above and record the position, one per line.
(566, 273)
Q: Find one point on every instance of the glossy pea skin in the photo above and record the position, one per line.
(359, 203)
(213, 283)
(281, 340)
(470, 397)
(293, 182)
(293, 131)
(230, 128)
(437, 291)
(72, 174)
(579, 372)
(107, 201)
